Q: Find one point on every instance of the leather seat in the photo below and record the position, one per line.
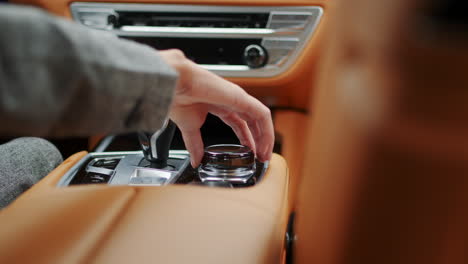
(386, 169)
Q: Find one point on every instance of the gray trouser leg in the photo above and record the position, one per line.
(23, 162)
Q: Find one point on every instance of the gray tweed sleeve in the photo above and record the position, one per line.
(58, 78)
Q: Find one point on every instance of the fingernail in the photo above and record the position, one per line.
(266, 155)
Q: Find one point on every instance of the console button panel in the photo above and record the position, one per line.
(131, 168)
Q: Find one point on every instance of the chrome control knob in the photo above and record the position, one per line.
(227, 162)
(255, 56)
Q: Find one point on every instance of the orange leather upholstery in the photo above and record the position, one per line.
(385, 178)
(292, 126)
(125, 224)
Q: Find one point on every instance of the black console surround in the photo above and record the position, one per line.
(87, 172)
(214, 131)
(215, 51)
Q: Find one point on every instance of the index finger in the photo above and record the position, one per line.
(261, 125)
(214, 90)
(258, 118)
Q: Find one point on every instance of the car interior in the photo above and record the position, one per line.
(370, 164)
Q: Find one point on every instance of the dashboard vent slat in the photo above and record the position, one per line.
(183, 19)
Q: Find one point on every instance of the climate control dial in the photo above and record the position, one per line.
(255, 56)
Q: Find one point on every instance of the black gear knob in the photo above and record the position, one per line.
(156, 146)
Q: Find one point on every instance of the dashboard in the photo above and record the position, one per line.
(286, 81)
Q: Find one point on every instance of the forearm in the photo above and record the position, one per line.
(59, 78)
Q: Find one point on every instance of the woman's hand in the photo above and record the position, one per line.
(200, 92)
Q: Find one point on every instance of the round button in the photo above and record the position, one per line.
(228, 156)
(255, 56)
(227, 161)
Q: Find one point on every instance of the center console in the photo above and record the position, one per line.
(223, 165)
(139, 206)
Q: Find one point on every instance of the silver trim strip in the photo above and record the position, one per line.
(228, 33)
(104, 143)
(201, 30)
(148, 7)
(213, 67)
(99, 170)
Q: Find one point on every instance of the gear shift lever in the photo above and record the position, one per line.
(156, 146)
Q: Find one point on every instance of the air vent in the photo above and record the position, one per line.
(234, 41)
(178, 19)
